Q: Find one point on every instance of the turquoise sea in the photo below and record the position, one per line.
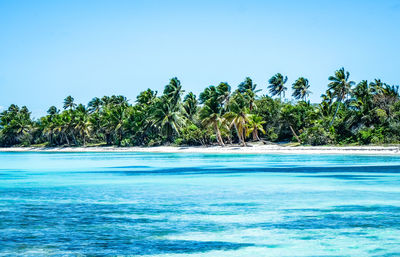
(147, 204)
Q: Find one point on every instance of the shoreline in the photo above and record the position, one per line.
(255, 149)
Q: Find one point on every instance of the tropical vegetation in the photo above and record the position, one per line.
(349, 113)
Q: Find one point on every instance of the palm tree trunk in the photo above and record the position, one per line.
(237, 132)
(243, 139)
(218, 132)
(294, 133)
(255, 134)
(243, 131)
(74, 139)
(66, 138)
(108, 138)
(240, 135)
(334, 115)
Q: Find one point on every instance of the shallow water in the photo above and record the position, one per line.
(137, 204)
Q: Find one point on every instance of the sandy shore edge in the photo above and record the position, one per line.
(255, 149)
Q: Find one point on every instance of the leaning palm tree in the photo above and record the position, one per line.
(69, 103)
(238, 116)
(213, 119)
(301, 89)
(247, 84)
(277, 85)
(211, 114)
(255, 124)
(341, 88)
(248, 88)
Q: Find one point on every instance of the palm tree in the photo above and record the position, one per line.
(146, 97)
(82, 125)
(213, 99)
(190, 106)
(341, 88)
(255, 124)
(173, 91)
(211, 118)
(362, 101)
(16, 125)
(69, 103)
(363, 95)
(277, 85)
(391, 90)
(249, 89)
(95, 105)
(238, 116)
(113, 119)
(301, 89)
(62, 127)
(377, 87)
(326, 104)
(223, 91)
(166, 113)
(22, 123)
(167, 117)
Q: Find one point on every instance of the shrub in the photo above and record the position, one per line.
(25, 139)
(126, 142)
(371, 135)
(272, 135)
(178, 141)
(193, 135)
(316, 135)
(154, 142)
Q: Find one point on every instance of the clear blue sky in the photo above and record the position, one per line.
(51, 49)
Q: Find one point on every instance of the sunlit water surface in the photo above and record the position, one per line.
(144, 204)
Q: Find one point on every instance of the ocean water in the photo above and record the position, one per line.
(146, 204)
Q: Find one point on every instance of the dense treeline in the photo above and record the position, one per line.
(349, 113)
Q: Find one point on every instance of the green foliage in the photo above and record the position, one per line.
(178, 141)
(277, 85)
(301, 89)
(371, 136)
(193, 135)
(368, 113)
(237, 115)
(316, 135)
(272, 135)
(15, 125)
(190, 106)
(126, 142)
(69, 102)
(211, 114)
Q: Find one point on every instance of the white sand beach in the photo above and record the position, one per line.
(251, 149)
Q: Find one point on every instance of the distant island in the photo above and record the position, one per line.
(348, 114)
